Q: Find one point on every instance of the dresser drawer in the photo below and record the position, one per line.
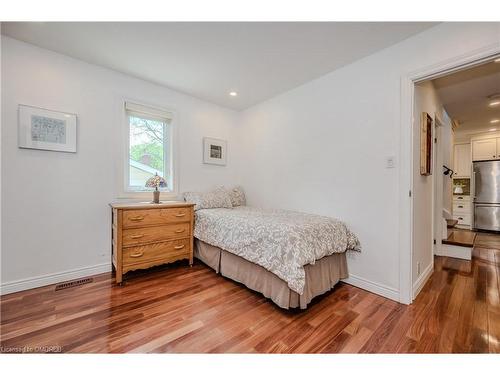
(139, 218)
(464, 219)
(461, 207)
(136, 236)
(163, 251)
(146, 235)
(461, 198)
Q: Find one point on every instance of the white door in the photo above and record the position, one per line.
(484, 149)
(462, 161)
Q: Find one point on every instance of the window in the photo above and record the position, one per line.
(149, 149)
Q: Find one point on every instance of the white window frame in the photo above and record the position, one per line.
(154, 112)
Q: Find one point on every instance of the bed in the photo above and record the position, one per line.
(289, 257)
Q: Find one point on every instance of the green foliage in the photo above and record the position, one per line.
(153, 149)
(148, 140)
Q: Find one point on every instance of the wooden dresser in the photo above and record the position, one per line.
(146, 235)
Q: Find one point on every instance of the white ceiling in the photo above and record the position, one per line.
(207, 60)
(465, 97)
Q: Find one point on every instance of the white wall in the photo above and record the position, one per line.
(55, 214)
(426, 100)
(322, 147)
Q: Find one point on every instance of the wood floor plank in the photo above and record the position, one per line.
(494, 332)
(357, 341)
(381, 335)
(164, 339)
(461, 342)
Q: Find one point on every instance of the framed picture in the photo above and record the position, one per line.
(214, 151)
(42, 129)
(426, 144)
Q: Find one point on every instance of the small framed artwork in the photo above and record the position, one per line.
(426, 144)
(214, 151)
(43, 129)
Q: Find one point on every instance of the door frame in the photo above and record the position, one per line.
(408, 81)
(437, 188)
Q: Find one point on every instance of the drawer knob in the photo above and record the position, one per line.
(460, 218)
(180, 215)
(136, 218)
(137, 255)
(179, 247)
(460, 206)
(136, 236)
(179, 230)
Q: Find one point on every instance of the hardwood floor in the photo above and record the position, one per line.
(182, 309)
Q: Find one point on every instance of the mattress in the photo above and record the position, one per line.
(282, 242)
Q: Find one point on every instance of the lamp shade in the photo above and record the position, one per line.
(156, 182)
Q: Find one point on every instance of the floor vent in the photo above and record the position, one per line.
(73, 283)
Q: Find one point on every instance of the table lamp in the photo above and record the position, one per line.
(156, 182)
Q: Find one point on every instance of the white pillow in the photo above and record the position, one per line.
(218, 198)
(237, 196)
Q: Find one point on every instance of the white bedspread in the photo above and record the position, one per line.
(282, 242)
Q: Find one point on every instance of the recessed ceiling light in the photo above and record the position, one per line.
(494, 121)
(494, 103)
(497, 60)
(493, 129)
(233, 93)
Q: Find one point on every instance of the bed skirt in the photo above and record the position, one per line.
(320, 277)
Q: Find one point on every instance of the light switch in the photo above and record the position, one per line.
(390, 162)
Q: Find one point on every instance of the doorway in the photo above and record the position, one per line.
(415, 272)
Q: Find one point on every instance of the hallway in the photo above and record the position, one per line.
(459, 308)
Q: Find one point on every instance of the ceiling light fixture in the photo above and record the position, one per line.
(233, 93)
(493, 129)
(497, 60)
(494, 103)
(494, 121)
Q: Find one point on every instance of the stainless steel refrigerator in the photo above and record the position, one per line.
(486, 185)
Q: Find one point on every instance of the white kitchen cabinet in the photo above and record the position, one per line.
(462, 160)
(485, 149)
(462, 210)
(464, 220)
(461, 207)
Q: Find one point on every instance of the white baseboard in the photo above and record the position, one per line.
(38, 281)
(422, 279)
(377, 288)
(454, 251)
